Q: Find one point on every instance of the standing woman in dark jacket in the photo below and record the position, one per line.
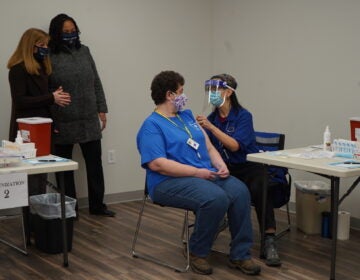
(28, 77)
(74, 69)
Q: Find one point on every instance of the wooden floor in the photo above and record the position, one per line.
(102, 250)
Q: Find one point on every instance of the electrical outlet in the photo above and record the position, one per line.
(111, 156)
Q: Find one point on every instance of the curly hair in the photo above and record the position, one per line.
(55, 31)
(162, 83)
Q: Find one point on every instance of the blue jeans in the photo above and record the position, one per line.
(211, 200)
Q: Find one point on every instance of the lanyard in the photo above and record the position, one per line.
(185, 128)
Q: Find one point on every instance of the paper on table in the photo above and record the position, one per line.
(46, 159)
(350, 164)
(313, 154)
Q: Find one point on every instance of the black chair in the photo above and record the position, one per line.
(136, 254)
(279, 178)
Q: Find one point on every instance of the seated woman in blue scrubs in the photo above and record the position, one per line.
(230, 129)
(184, 170)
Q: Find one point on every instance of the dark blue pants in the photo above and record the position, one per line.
(211, 200)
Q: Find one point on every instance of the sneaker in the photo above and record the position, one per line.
(224, 223)
(200, 265)
(246, 266)
(271, 255)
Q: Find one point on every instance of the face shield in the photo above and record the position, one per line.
(213, 96)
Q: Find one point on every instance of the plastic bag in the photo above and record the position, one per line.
(48, 206)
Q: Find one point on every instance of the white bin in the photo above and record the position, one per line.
(312, 198)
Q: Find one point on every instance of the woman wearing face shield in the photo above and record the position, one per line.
(184, 170)
(230, 129)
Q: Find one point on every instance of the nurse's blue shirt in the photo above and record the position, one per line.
(238, 125)
(159, 137)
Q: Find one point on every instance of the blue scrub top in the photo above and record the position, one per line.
(238, 125)
(159, 137)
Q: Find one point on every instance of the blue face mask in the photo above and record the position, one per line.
(216, 99)
(41, 53)
(70, 38)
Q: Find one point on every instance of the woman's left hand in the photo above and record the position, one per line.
(103, 120)
(223, 171)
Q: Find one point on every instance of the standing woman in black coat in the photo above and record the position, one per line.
(28, 77)
(29, 68)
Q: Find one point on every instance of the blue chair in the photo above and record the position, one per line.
(279, 178)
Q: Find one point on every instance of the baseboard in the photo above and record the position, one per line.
(114, 198)
(137, 195)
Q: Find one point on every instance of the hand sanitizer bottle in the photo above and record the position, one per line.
(327, 139)
(18, 138)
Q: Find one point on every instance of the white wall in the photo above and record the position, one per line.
(131, 41)
(297, 64)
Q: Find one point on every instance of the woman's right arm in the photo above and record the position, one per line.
(229, 142)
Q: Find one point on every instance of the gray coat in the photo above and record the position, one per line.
(76, 72)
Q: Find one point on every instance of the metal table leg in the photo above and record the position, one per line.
(263, 214)
(334, 219)
(63, 218)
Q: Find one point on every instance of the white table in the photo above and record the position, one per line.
(318, 166)
(48, 167)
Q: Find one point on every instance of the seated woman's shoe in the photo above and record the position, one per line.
(200, 265)
(246, 266)
(271, 255)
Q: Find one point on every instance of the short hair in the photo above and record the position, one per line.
(162, 83)
(231, 82)
(55, 32)
(25, 52)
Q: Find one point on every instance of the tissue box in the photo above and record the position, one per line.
(26, 150)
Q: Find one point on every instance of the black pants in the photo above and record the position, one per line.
(251, 174)
(91, 152)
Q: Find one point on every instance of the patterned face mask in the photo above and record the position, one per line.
(180, 101)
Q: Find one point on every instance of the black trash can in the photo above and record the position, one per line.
(46, 222)
(48, 234)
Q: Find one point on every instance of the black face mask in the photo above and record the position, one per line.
(41, 53)
(70, 39)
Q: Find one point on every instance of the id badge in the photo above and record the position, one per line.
(193, 144)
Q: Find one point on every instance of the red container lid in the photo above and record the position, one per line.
(34, 120)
